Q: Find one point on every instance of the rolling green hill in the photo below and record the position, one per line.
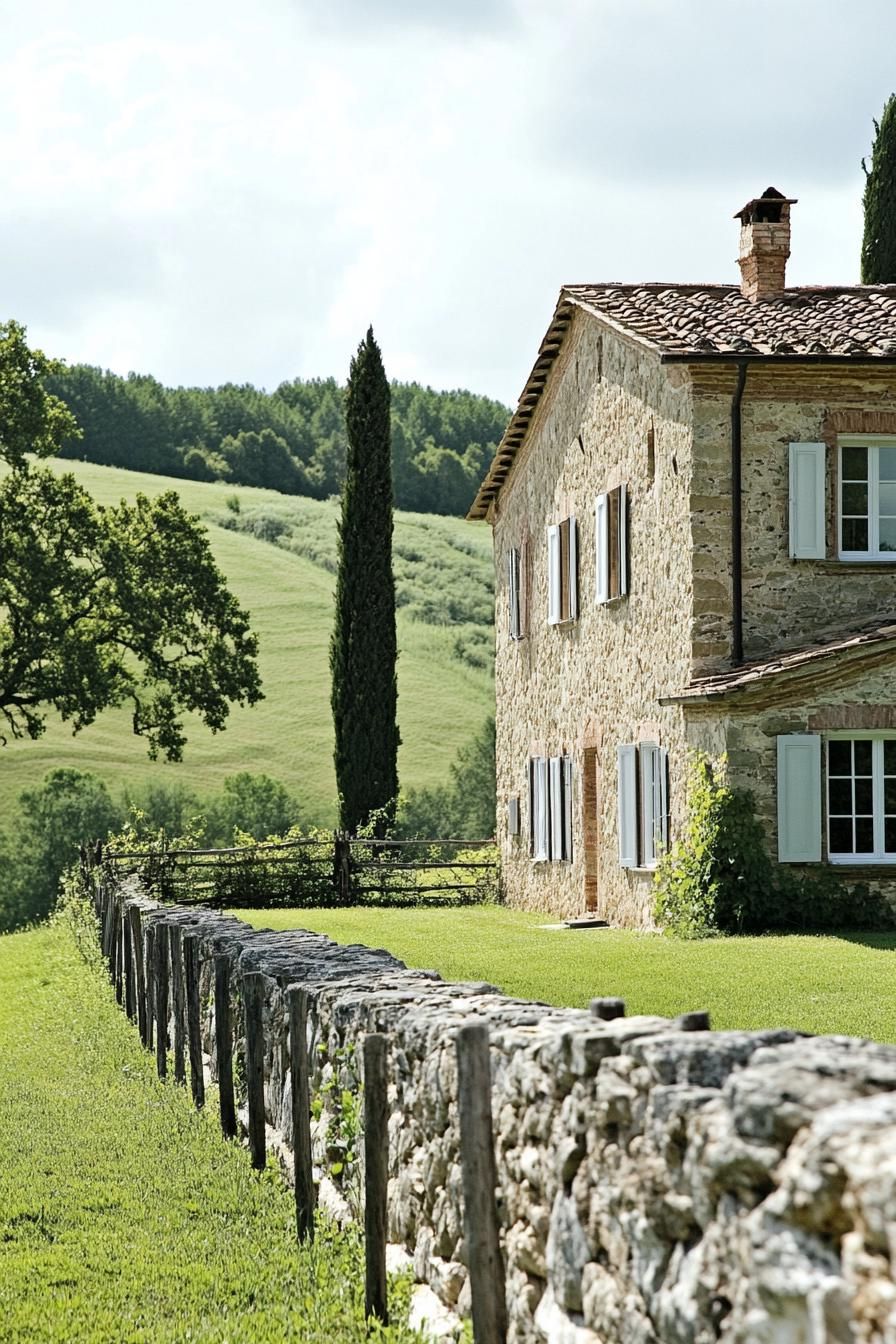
(443, 576)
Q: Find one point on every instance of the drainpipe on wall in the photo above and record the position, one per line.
(737, 569)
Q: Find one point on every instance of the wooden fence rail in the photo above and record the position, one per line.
(338, 870)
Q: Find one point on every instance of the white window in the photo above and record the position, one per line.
(550, 808)
(867, 504)
(513, 593)
(611, 544)
(861, 800)
(563, 601)
(643, 772)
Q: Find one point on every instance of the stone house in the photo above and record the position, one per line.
(694, 514)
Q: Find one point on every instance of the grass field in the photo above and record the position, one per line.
(123, 1214)
(821, 984)
(442, 701)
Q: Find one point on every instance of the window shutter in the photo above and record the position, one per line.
(601, 549)
(573, 581)
(807, 491)
(513, 591)
(647, 772)
(627, 767)
(623, 540)
(539, 825)
(799, 798)
(553, 575)
(513, 816)
(663, 827)
(525, 586)
(532, 807)
(567, 808)
(555, 793)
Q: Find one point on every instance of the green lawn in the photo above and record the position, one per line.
(821, 984)
(123, 1214)
(442, 699)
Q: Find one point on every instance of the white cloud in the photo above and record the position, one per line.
(210, 193)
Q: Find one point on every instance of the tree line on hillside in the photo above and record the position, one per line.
(291, 440)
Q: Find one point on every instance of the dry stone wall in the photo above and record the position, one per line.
(655, 1184)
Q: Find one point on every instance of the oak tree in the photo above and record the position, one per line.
(104, 606)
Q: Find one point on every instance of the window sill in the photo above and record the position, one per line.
(862, 861)
(863, 566)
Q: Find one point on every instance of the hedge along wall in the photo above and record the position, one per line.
(655, 1184)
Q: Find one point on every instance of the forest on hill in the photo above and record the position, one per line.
(291, 440)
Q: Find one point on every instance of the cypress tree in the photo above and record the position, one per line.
(363, 650)
(879, 241)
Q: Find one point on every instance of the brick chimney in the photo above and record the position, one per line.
(764, 245)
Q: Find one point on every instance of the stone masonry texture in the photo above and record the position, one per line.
(656, 1186)
(611, 413)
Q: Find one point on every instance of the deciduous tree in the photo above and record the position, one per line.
(104, 606)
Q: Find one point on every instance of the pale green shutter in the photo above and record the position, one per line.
(554, 614)
(807, 493)
(601, 554)
(627, 767)
(573, 582)
(799, 798)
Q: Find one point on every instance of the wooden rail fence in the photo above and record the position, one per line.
(339, 870)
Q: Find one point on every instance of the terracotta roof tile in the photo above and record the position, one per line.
(872, 640)
(683, 320)
(715, 322)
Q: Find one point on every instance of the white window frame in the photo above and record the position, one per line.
(514, 560)
(871, 442)
(550, 808)
(602, 567)
(562, 537)
(880, 854)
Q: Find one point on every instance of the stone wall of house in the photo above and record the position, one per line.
(863, 701)
(654, 1184)
(787, 603)
(585, 687)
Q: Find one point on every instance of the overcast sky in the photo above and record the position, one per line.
(209, 190)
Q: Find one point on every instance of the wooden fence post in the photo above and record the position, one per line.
(477, 1158)
(161, 968)
(376, 1175)
(115, 957)
(150, 982)
(136, 923)
(253, 1011)
(175, 948)
(107, 925)
(301, 1112)
(194, 1029)
(224, 1046)
(128, 949)
(342, 867)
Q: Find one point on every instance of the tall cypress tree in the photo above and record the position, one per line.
(363, 650)
(879, 241)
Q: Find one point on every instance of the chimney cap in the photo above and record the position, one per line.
(765, 208)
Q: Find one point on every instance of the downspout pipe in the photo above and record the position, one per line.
(737, 566)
